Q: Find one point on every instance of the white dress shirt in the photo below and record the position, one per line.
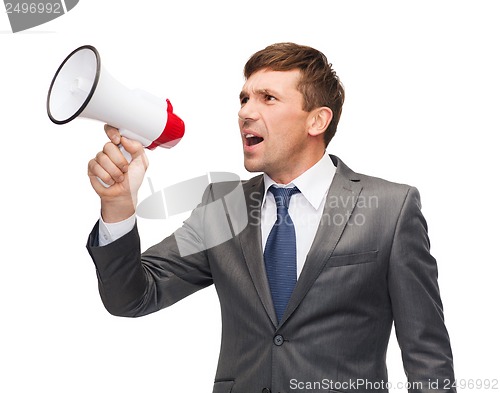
(306, 209)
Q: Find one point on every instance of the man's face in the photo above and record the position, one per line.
(273, 124)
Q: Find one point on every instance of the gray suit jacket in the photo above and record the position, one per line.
(369, 266)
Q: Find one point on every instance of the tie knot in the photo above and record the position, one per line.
(282, 195)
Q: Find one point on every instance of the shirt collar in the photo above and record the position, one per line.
(313, 183)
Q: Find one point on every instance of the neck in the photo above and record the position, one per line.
(287, 175)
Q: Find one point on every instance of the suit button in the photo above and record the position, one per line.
(278, 340)
(266, 390)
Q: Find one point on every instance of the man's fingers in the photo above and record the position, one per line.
(116, 156)
(97, 171)
(112, 133)
(109, 167)
(133, 147)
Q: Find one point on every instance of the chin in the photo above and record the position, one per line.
(253, 166)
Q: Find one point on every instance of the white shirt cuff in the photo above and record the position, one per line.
(109, 232)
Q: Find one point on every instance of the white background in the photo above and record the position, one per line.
(422, 85)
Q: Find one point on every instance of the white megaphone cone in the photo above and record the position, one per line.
(81, 87)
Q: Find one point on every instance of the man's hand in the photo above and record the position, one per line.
(119, 200)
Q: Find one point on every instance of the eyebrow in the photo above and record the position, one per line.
(260, 92)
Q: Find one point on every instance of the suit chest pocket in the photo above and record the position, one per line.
(352, 259)
(223, 386)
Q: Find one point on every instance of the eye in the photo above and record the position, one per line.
(269, 97)
(243, 100)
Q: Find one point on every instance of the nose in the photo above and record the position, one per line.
(247, 112)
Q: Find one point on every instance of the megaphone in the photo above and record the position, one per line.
(81, 87)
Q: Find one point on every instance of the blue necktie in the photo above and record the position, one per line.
(280, 253)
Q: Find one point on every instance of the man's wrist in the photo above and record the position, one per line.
(117, 210)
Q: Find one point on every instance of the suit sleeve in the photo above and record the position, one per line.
(132, 285)
(416, 303)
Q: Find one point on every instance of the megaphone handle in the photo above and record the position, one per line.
(125, 153)
(127, 156)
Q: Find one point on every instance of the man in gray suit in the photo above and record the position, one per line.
(321, 261)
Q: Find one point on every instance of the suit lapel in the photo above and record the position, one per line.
(251, 244)
(341, 200)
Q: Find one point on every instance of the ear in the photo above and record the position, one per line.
(319, 120)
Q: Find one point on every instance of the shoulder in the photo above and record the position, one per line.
(388, 192)
(369, 182)
(225, 184)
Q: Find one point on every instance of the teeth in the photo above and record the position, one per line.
(249, 136)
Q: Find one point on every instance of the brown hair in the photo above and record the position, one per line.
(319, 83)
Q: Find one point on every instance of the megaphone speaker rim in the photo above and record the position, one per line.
(92, 90)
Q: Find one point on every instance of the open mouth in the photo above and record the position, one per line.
(252, 140)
